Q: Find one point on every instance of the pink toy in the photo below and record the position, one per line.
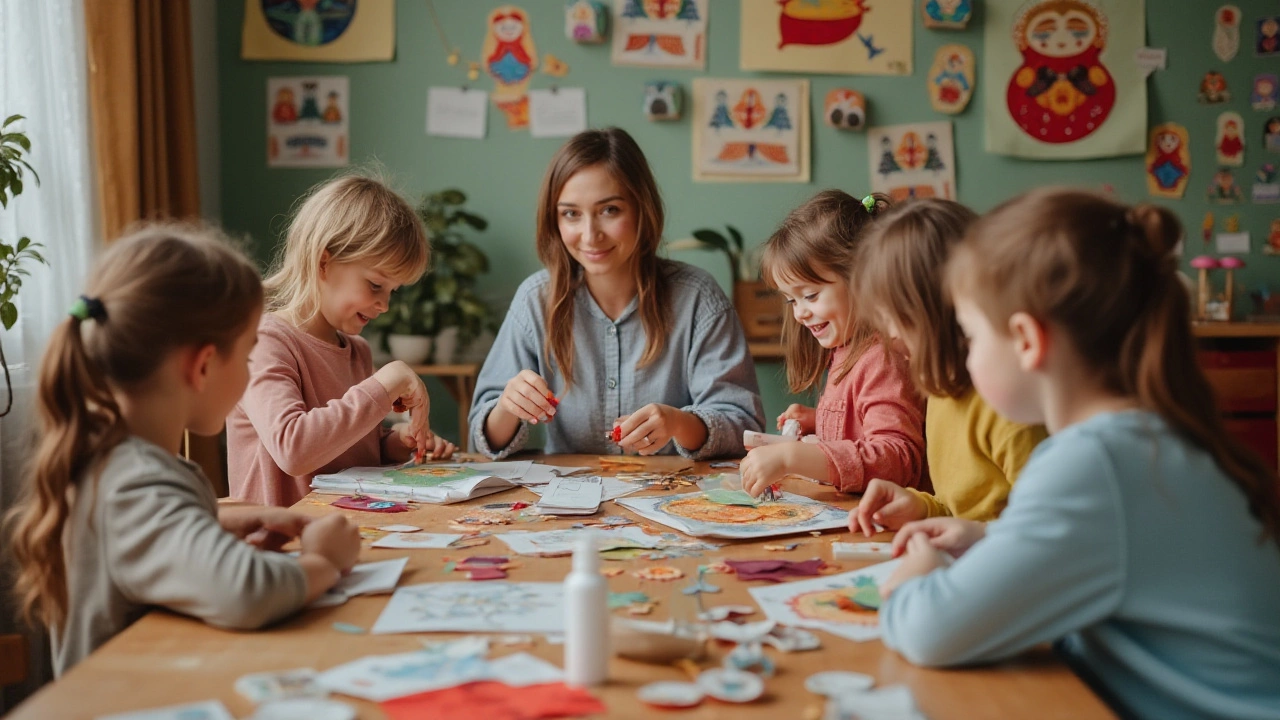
(1204, 264)
(1230, 264)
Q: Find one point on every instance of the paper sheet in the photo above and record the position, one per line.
(364, 579)
(474, 607)
(383, 677)
(693, 514)
(610, 488)
(416, 541)
(557, 113)
(457, 112)
(810, 603)
(563, 542)
(571, 496)
(425, 483)
(207, 710)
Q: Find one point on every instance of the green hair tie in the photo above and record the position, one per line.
(87, 308)
(869, 202)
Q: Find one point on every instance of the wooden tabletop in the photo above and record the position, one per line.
(166, 659)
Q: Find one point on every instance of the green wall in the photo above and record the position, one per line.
(502, 172)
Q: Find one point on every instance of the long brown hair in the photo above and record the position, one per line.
(900, 271)
(161, 288)
(819, 238)
(618, 153)
(1106, 274)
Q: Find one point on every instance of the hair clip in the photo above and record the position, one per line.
(86, 308)
(869, 202)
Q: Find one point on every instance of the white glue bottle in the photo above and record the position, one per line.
(586, 617)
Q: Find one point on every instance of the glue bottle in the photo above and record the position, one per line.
(586, 619)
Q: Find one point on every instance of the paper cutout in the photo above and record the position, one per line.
(750, 130)
(912, 161)
(1265, 189)
(660, 573)
(262, 687)
(585, 21)
(315, 31)
(775, 570)
(730, 497)
(693, 514)
(1224, 190)
(1271, 134)
(372, 578)
(844, 605)
(436, 666)
(510, 57)
(496, 700)
(1273, 238)
(435, 541)
(1230, 139)
(1235, 243)
(1226, 32)
(951, 79)
(369, 504)
(844, 37)
(660, 33)
(1268, 37)
(1213, 88)
(470, 607)
(843, 109)
(1151, 59)
(1266, 91)
(299, 132)
(663, 100)
(946, 14)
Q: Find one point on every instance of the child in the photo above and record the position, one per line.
(1140, 533)
(974, 455)
(314, 404)
(114, 521)
(869, 420)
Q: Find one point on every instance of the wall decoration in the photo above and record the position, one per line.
(845, 109)
(661, 33)
(751, 130)
(951, 79)
(1072, 87)
(663, 100)
(558, 112)
(1271, 134)
(1213, 88)
(307, 121)
(455, 112)
(554, 66)
(1226, 32)
(946, 14)
(1266, 91)
(1169, 161)
(1223, 190)
(586, 21)
(319, 30)
(847, 37)
(913, 161)
(1273, 239)
(510, 57)
(1268, 39)
(1229, 141)
(1265, 189)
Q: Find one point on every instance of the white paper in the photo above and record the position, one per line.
(388, 483)
(1237, 242)
(563, 542)
(610, 488)
(557, 113)
(779, 602)
(455, 112)
(572, 496)
(267, 686)
(1150, 59)
(364, 579)
(206, 710)
(890, 703)
(651, 507)
(383, 677)
(862, 551)
(416, 541)
(398, 528)
(493, 606)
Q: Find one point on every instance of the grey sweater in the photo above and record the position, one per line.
(148, 535)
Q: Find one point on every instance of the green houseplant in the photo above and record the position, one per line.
(12, 257)
(758, 305)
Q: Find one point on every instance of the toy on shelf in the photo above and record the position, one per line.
(1230, 264)
(1204, 264)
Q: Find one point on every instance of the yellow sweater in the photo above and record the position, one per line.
(974, 457)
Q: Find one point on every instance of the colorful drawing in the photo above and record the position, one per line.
(827, 36)
(585, 21)
(946, 14)
(429, 475)
(1168, 161)
(1271, 134)
(694, 514)
(1273, 239)
(319, 30)
(751, 130)
(857, 604)
(300, 135)
(1230, 139)
(951, 79)
(284, 111)
(845, 109)
(1226, 32)
(705, 510)
(430, 483)
(1224, 190)
(663, 100)
(1266, 91)
(661, 33)
(1268, 42)
(301, 21)
(846, 605)
(510, 58)
(474, 607)
(912, 161)
(1213, 88)
(1265, 190)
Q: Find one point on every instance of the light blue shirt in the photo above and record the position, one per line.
(705, 368)
(1133, 547)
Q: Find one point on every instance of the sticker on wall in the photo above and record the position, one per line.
(1268, 37)
(1266, 91)
(307, 121)
(1229, 141)
(1213, 88)
(845, 109)
(554, 66)
(946, 14)
(846, 37)
(1266, 190)
(1168, 161)
(751, 129)
(318, 30)
(1224, 190)
(1271, 134)
(915, 160)
(951, 79)
(586, 21)
(1273, 239)
(510, 58)
(1226, 32)
(1206, 227)
(661, 33)
(663, 100)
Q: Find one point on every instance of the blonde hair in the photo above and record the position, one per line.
(355, 219)
(161, 288)
(821, 237)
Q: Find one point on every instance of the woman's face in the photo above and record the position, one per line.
(598, 222)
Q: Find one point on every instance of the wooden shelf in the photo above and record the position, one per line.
(471, 369)
(1236, 329)
(765, 349)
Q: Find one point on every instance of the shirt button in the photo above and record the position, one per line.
(612, 383)
(612, 331)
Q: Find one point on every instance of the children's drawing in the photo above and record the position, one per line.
(695, 514)
(1271, 134)
(1213, 88)
(474, 607)
(661, 33)
(827, 36)
(1230, 139)
(846, 605)
(1168, 161)
(1266, 91)
(1268, 42)
(912, 161)
(552, 543)
(319, 30)
(1273, 238)
(585, 21)
(1224, 189)
(299, 133)
(663, 100)
(946, 14)
(429, 475)
(1265, 190)
(951, 79)
(751, 130)
(1226, 32)
(510, 58)
(845, 109)
(306, 23)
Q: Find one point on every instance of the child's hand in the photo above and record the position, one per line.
(267, 528)
(436, 448)
(921, 559)
(806, 416)
(887, 505)
(335, 538)
(528, 398)
(950, 535)
(439, 449)
(763, 467)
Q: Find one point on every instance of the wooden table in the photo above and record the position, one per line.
(167, 659)
(460, 381)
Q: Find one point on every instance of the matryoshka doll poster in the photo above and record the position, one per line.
(1063, 81)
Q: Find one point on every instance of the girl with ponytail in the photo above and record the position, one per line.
(113, 521)
(1140, 536)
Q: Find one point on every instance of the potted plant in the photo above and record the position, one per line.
(406, 326)
(758, 305)
(12, 167)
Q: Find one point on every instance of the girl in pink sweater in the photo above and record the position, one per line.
(869, 421)
(314, 404)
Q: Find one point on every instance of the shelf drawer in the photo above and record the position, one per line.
(1259, 434)
(1242, 381)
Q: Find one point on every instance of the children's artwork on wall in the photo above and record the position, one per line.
(846, 37)
(750, 130)
(1265, 189)
(1223, 190)
(319, 30)
(845, 109)
(1273, 239)
(554, 66)
(951, 79)
(1213, 88)
(846, 605)
(1168, 161)
(1271, 134)
(586, 21)
(1266, 91)
(946, 14)
(661, 33)
(1268, 42)
(1226, 32)
(510, 57)
(663, 100)
(916, 160)
(1229, 141)
(307, 121)
(1072, 87)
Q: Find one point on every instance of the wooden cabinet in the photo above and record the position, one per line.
(1242, 364)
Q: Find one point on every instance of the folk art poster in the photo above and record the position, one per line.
(307, 121)
(916, 160)
(510, 57)
(660, 33)
(319, 30)
(1062, 80)
(750, 130)
(847, 37)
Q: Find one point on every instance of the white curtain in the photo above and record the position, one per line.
(44, 76)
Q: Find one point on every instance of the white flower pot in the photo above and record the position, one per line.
(447, 346)
(411, 349)
(478, 349)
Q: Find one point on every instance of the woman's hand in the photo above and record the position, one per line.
(528, 398)
(806, 416)
(886, 505)
(950, 535)
(649, 429)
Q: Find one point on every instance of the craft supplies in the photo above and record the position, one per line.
(586, 619)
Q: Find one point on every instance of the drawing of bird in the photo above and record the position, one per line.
(869, 42)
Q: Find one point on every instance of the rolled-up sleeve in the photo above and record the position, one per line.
(722, 384)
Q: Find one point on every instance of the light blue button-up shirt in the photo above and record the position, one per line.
(705, 368)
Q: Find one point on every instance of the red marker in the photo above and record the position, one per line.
(552, 399)
(616, 435)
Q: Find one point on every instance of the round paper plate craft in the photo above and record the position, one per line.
(734, 686)
(671, 694)
(836, 682)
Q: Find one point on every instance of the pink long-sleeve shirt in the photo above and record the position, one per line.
(311, 408)
(871, 423)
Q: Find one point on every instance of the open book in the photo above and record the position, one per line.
(442, 484)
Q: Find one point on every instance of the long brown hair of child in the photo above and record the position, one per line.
(618, 152)
(900, 279)
(817, 241)
(160, 288)
(1105, 274)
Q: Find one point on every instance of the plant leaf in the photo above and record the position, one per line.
(12, 119)
(737, 237)
(713, 239)
(475, 221)
(8, 315)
